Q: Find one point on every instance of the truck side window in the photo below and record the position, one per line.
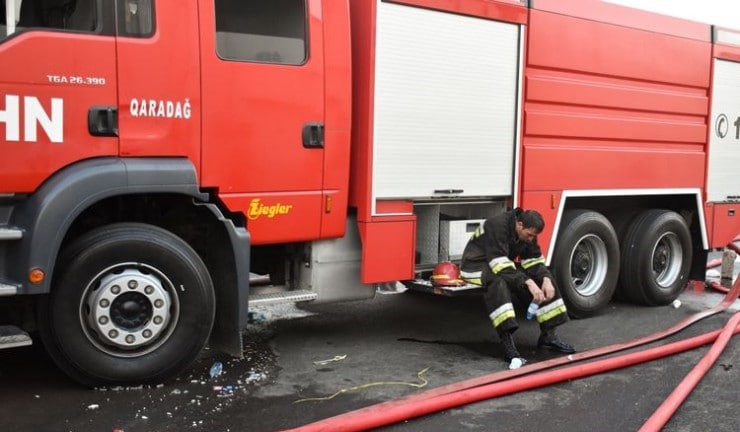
(135, 18)
(74, 15)
(261, 31)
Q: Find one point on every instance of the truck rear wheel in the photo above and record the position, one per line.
(130, 303)
(586, 262)
(656, 258)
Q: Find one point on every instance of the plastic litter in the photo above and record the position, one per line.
(390, 288)
(216, 369)
(223, 391)
(256, 317)
(676, 303)
(516, 363)
(254, 377)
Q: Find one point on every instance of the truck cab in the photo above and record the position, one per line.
(162, 128)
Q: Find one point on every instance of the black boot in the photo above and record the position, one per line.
(549, 340)
(507, 341)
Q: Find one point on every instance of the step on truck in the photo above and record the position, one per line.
(166, 164)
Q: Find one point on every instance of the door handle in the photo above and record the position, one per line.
(102, 121)
(313, 135)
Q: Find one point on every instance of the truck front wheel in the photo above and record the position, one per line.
(130, 303)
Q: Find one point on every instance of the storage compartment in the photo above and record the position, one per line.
(725, 223)
(443, 229)
(454, 235)
(387, 250)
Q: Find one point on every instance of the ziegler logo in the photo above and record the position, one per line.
(257, 209)
(33, 115)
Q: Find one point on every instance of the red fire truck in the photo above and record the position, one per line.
(156, 157)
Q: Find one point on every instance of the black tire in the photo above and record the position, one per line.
(586, 262)
(656, 258)
(621, 220)
(130, 303)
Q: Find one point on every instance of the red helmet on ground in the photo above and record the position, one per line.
(447, 273)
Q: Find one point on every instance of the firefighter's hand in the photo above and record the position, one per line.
(538, 296)
(548, 289)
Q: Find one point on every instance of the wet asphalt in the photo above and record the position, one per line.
(307, 363)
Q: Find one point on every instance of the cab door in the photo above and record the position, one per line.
(159, 81)
(262, 66)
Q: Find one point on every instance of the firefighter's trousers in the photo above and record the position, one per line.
(500, 297)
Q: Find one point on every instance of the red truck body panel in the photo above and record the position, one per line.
(593, 121)
(727, 52)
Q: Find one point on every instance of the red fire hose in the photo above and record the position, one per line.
(676, 398)
(733, 246)
(718, 287)
(490, 386)
(403, 410)
(560, 361)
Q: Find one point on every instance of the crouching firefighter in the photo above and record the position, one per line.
(503, 257)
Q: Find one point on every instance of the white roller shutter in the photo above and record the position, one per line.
(446, 89)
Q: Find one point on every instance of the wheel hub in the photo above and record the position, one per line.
(581, 264)
(660, 259)
(588, 265)
(667, 259)
(130, 309)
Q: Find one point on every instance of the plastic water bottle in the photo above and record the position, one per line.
(216, 369)
(517, 362)
(532, 310)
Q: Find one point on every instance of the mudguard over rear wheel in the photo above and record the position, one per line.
(130, 303)
(586, 262)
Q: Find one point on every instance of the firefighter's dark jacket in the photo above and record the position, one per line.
(497, 246)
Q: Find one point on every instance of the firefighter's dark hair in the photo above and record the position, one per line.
(530, 219)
